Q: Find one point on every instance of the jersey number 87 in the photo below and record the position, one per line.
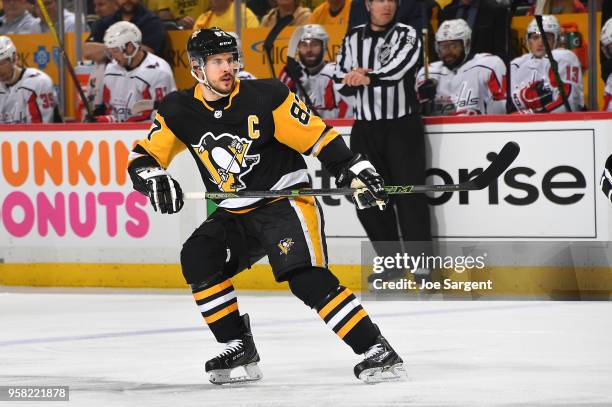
(299, 111)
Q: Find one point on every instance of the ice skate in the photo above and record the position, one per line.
(238, 355)
(381, 364)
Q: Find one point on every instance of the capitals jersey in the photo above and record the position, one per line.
(152, 79)
(30, 100)
(608, 95)
(528, 69)
(251, 140)
(320, 89)
(476, 87)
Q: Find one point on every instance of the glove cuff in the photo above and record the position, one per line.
(360, 166)
(149, 172)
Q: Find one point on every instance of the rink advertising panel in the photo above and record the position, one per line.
(66, 196)
(66, 199)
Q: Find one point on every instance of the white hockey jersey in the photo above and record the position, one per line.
(608, 95)
(151, 80)
(320, 89)
(476, 87)
(245, 75)
(30, 100)
(527, 69)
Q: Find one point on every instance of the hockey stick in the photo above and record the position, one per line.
(553, 63)
(510, 10)
(49, 23)
(501, 163)
(268, 44)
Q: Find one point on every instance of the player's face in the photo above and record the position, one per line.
(310, 52)
(381, 11)
(451, 52)
(119, 55)
(536, 45)
(6, 70)
(221, 72)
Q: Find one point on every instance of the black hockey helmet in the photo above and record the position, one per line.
(206, 42)
(211, 41)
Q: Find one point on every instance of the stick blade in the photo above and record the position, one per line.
(504, 158)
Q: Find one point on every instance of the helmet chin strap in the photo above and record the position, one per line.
(206, 83)
(132, 55)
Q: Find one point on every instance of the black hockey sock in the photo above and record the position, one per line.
(337, 306)
(219, 306)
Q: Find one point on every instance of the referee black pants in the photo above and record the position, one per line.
(396, 148)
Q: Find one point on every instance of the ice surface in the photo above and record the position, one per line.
(129, 348)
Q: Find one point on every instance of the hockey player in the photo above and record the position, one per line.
(314, 74)
(534, 87)
(134, 75)
(249, 135)
(26, 94)
(461, 83)
(606, 47)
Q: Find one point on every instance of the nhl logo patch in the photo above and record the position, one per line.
(218, 114)
(384, 53)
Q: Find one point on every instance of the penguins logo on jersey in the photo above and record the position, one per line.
(226, 159)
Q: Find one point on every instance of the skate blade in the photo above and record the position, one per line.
(383, 374)
(224, 376)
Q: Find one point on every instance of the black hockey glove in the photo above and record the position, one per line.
(359, 173)
(606, 179)
(163, 191)
(293, 69)
(427, 90)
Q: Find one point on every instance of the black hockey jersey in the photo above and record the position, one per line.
(252, 142)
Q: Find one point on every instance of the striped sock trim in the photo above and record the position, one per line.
(351, 323)
(222, 313)
(212, 290)
(217, 301)
(342, 312)
(334, 302)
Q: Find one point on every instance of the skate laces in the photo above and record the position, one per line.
(231, 346)
(373, 351)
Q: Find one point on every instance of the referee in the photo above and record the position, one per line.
(377, 64)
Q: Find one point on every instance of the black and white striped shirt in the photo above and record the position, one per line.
(392, 55)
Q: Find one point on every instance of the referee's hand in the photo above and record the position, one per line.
(357, 77)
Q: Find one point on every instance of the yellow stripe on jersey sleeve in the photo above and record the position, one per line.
(296, 127)
(161, 143)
